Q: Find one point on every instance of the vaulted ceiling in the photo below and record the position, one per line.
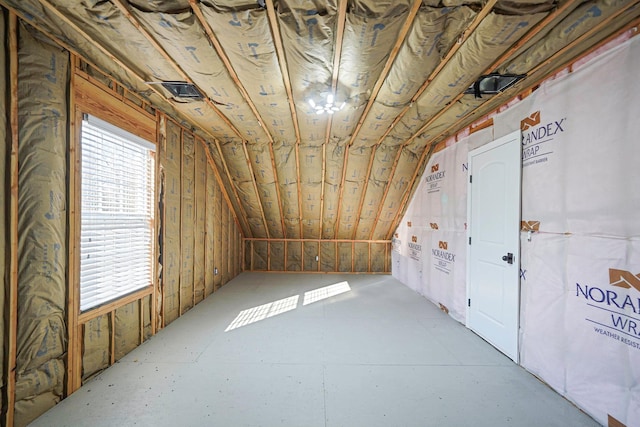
(400, 68)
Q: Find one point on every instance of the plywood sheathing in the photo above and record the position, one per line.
(43, 81)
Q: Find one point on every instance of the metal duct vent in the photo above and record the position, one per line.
(182, 90)
(494, 83)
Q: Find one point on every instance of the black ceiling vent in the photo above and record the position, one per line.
(182, 90)
(493, 83)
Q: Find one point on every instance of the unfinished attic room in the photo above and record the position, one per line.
(325, 213)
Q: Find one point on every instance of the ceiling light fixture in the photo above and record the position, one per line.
(493, 83)
(328, 106)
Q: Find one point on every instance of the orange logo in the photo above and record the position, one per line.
(443, 245)
(531, 121)
(624, 279)
(435, 168)
(433, 225)
(408, 223)
(530, 226)
(414, 239)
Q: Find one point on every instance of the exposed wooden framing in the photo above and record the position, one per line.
(162, 140)
(284, 69)
(319, 242)
(154, 43)
(13, 222)
(74, 350)
(555, 56)
(534, 31)
(286, 255)
(337, 53)
(134, 21)
(464, 36)
(222, 187)
(255, 187)
(243, 92)
(182, 131)
(112, 337)
(125, 67)
(251, 249)
(563, 7)
(413, 12)
(89, 315)
(141, 319)
(264, 239)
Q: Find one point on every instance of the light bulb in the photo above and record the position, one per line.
(312, 103)
(330, 99)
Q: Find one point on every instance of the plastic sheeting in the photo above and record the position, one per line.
(43, 79)
(580, 264)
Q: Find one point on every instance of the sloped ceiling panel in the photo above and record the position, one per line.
(401, 67)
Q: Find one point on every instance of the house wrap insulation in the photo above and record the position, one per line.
(580, 238)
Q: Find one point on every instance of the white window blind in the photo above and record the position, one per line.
(116, 226)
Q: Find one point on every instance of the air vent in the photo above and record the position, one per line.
(494, 83)
(182, 90)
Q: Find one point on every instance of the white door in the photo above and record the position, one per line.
(493, 270)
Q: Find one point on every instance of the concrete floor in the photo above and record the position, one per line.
(265, 350)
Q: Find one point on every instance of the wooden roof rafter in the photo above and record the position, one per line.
(402, 35)
(284, 69)
(337, 53)
(245, 95)
(463, 37)
(124, 66)
(134, 21)
(529, 86)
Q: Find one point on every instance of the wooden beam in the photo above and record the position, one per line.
(289, 240)
(86, 316)
(112, 337)
(284, 69)
(245, 95)
(74, 354)
(158, 220)
(404, 31)
(13, 222)
(337, 53)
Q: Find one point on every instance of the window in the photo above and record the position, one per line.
(117, 208)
